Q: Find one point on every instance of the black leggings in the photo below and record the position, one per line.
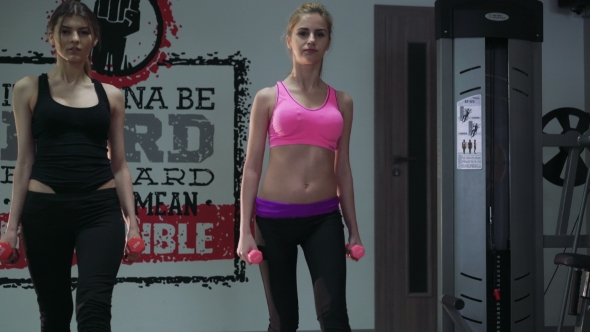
(322, 240)
(52, 226)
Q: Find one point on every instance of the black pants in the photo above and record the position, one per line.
(322, 240)
(52, 226)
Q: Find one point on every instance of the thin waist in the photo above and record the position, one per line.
(299, 171)
(271, 209)
(37, 186)
(104, 192)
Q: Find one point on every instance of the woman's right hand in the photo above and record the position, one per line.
(11, 238)
(245, 245)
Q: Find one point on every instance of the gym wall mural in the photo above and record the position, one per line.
(185, 135)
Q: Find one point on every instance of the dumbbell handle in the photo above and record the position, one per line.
(136, 245)
(7, 252)
(254, 256)
(357, 251)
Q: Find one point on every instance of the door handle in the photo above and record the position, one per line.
(400, 159)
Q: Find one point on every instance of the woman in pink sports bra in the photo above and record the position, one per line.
(307, 189)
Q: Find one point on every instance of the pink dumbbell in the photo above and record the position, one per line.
(6, 253)
(357, 251)
(254, 256)
(135, 246)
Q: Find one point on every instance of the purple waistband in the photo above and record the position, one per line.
(271, 209)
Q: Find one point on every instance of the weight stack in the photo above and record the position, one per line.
(489, 162)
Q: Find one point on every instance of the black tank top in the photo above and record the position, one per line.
(71, 143)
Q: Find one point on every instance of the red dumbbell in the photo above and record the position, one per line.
(6, 253)
(255, 256)
(135, 246)
(357, 251)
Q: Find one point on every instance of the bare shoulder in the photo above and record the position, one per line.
(264, 101)
(114, 94)
(26, 85)
(344, 101)
(266, 96)
(25, 93)
(112, 91)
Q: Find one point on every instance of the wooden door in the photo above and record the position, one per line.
(405, 169)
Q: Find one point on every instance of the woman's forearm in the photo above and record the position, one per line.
(346, 196)
(248, 195)
(20, 185)
(126, 197)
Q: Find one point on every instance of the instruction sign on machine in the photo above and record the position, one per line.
(469, 128)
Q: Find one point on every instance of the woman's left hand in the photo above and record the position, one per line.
(353, 239)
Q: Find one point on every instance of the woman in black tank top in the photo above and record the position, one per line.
(67, 193)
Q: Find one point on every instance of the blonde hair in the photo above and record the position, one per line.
(310, 8)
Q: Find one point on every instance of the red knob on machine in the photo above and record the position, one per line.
(497, 294)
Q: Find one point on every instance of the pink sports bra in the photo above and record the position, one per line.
(292, 123)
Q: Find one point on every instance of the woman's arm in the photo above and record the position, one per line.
(23, 98)
(343, 172)
(259, 121)
(118, 162)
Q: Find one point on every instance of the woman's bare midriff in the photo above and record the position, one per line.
(40, 187)
(299, 174)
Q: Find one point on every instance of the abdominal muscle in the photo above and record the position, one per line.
(299, 174)
(40, 187)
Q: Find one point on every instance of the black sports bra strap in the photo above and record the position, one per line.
(102, 94)
(43, 85)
